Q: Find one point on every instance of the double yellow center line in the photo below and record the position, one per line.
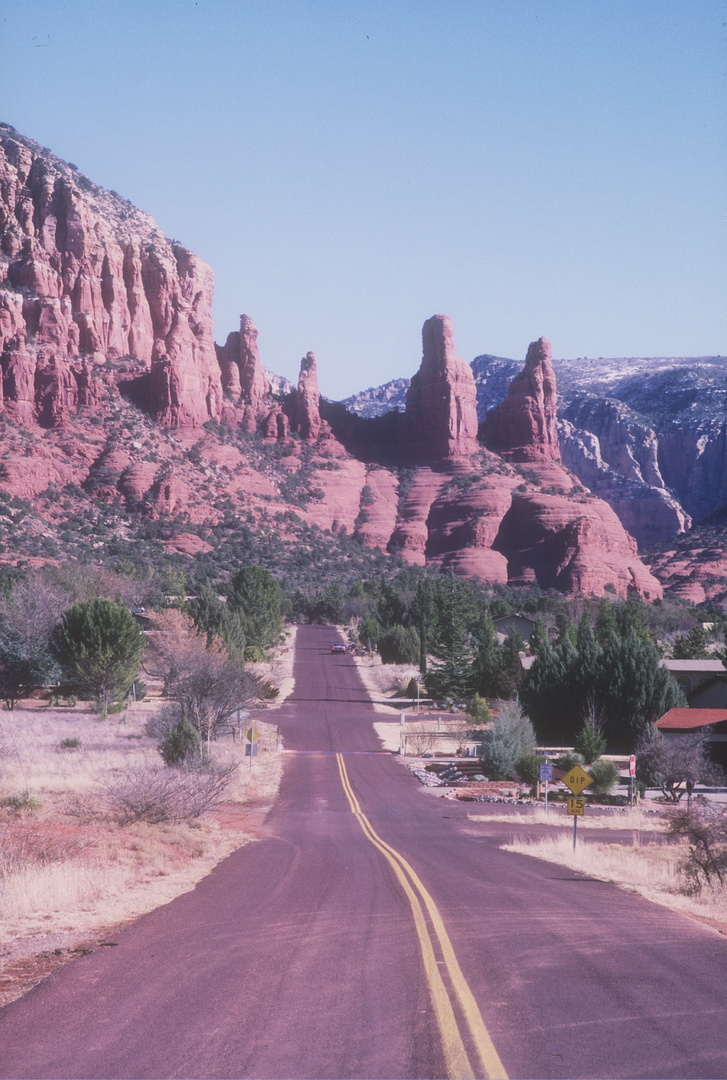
(457, 1060)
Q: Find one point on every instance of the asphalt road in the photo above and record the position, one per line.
(374, 931)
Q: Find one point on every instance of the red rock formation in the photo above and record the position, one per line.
(56, 391)
(307, 400)
(575, 545)
(523, 427)
(378, 508)
(92, 280)
(18, 377)
(243, 375)
(441, 402)
(275, 424)
(94, 277)
(136, 480)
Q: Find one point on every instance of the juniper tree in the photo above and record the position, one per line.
(98, 646)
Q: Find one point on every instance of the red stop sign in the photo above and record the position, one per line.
(632, 765)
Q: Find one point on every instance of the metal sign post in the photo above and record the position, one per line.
(546, 775)
(577, 780)
(576, 807)
(240, 716)
(252, 736)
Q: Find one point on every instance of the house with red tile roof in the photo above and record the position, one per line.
(711, 722)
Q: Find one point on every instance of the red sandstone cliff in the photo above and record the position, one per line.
(523, 427)
(89, 278)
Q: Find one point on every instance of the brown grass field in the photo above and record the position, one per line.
(67, 883)
(641, 861)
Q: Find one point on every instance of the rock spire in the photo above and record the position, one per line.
(523, 427)
(441, 403)
(307, 400)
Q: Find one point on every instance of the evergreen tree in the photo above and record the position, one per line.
(424, 611)
(623, 676)
(634, 690)
(511, 669)
(454, 675)
(539, 639)
(98, 646)
(255, 596)
(399, 645)
(691, 646)
(606, 621)
(215, 619)
(487, 656)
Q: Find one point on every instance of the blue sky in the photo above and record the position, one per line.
(350, 168)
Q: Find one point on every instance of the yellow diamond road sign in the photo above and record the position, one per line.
(252, 735)
(577, 779)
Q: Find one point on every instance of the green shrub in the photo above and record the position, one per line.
(70, 744)
(24, 802)
(411, 690)
(479, 710)
(604, 775)
(528, 767)
(181, 744)
(568, 761)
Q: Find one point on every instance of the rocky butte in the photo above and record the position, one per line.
(110, 376)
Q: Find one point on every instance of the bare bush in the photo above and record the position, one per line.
(705, 830)
(420, 740)
(33, 608)
(669, 762)
(461, 730)
(204, 685)
(156, 794)
(24, 845)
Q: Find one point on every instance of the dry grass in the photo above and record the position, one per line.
(63, 881)
(638, 864)
(556, 816)
(384, 680)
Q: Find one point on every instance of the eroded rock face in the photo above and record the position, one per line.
(94, 278)
(523, 427)
(648, 511)
(571, 545)
(307, 400)
(441, 402)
